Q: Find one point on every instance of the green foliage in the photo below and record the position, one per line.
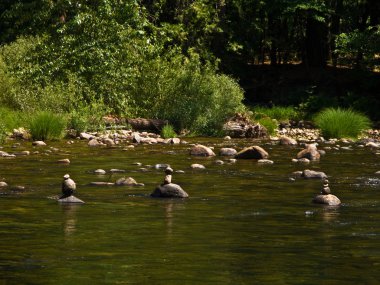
(341, 123)
(270, 124)
(3, 133)
(281, 114)
(168, 132)
(11, 119)
(47, 126)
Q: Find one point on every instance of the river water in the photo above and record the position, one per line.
(244, 223)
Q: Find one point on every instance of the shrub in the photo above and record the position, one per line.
(168, 132)
(47, 126)
(341, 123)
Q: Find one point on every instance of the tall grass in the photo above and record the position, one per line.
(341, 123)
(47, 126)
(279, 113)
(270, 124)
(168, 132)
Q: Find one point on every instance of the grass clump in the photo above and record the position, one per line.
(168, 132)
(270, 124)
(47, 126)
(341, 123)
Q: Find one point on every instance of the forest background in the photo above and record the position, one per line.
(192, 62)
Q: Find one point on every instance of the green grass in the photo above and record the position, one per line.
(270, 124)
(281, 114)
(47, 126)
(168, 132)
(341, 123)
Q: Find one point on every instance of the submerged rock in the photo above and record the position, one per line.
(170, 190)
(311, 174)
(70, 199)
(328, 199)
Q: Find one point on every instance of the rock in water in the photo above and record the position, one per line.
(253, 152)
(170, 190)
(70, 199)
(328, 199)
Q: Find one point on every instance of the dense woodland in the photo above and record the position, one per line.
(170, 58)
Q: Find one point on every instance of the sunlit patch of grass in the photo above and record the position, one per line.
(47, 126)
(341, 123)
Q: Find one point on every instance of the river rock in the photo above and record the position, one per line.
(101, 183)
(311, 174)
(108, 142)
(86, 136)
(70, 199)
(310, 152)
(136, 138)
(100, 171)
(23, 153)
(172, 141)
(3, 184)
(284, 140)
(197, 166)
(115, 170)
(64, 161)
(329, 199)
(219, 162)
(201, 150)
(253, 152)
(169, 191)
(129, 181)
(39, 143)
(241, 125)
(94, 143)
(227, 151)
(161, 166)
(265, 161)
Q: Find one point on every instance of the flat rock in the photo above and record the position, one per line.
(64, 161)
(70, 199)
(170, 190)
(100, 171)
(86, 136)
(265, 161)
(311, 174)
(197, 166)
(101, 183)
(129, 181)
(329, 199)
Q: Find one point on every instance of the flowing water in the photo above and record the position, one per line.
(244, 223)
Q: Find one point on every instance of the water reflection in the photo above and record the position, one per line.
(330, 213)
(70, 220)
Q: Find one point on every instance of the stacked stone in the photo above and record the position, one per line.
(326, 197)
(325, 189)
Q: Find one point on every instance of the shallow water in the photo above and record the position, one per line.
(244, 223)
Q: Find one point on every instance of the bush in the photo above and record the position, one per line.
(47, 126)
(341, 123)
(168, 132)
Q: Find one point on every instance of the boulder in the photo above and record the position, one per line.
(227, 151)
(240, 126)
(3, 184)
(329, 199)
(310, 152)
(169, 191)
(311, 174)
(70, 199)
(94, 143)
(201, 150)
(253, 152)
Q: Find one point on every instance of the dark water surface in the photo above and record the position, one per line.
(244, 223)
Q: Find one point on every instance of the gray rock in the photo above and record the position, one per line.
(329, 199)
(253, 152)
(311, 174)
(101, 183)
(70, 199)
(169, 191)
(201, 150)
(227, 151)
(68, 186)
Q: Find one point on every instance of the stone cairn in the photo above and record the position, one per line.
(326, 197)
(168, 189)
(68, 188)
